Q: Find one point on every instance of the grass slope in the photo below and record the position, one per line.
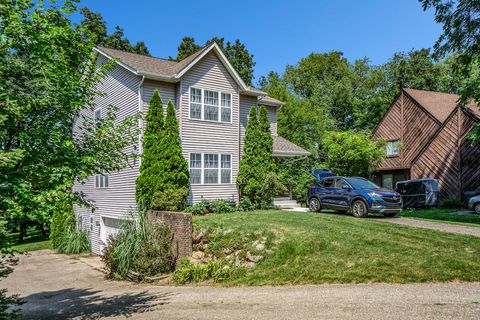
(442, 215)
(320, 248)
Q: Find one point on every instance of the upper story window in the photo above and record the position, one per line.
(210, 168)
(210, 105)
(97, 115)
(101, 179)
(393, 148)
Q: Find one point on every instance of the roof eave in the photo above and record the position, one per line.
(157, 76)
(117, 61)
(290, 153)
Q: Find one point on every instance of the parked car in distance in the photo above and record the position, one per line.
(474, 204)
(358, 195)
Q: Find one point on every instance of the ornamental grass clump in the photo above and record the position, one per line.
(142, 249)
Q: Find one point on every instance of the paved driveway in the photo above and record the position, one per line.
(59, 287)
(445, 227)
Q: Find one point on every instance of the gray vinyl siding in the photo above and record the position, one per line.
(121, 90)
(272, 117)
(206, 136)
(165, 89)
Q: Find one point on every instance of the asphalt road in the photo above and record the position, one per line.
(59, 287)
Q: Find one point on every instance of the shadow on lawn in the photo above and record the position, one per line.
(89, 304)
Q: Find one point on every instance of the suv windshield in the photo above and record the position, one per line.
(358, 183)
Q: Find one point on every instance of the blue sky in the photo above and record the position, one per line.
(277, 32)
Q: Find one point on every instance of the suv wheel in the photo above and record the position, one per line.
(314, 205)
(476, 208)
(359, 209)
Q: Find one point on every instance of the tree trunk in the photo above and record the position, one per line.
(22, 231)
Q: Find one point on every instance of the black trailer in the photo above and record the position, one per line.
(418, 193)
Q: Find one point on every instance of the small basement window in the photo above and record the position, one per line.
(393, 148)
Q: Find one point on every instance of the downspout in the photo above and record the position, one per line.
(140, 120)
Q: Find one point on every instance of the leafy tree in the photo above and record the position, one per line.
(185, 48)
(94, 23)
(351, 154)
(96, 28)
(153, 138)
(47, 75)
(461, 36)
(236, 52)
(163, 170)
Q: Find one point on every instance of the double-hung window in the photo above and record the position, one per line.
(210, 171)
(210, 105)
(210, 168)
(101, 179)
(195, 168)
(97, 116)
(226, 173)
(226, 104)
(195, 103)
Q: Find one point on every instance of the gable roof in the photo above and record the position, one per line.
(285, 148)
(156, 68)
(439, 104)
(269, 101)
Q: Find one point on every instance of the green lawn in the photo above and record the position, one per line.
(442, 215)
(315, 248)
(34, 241)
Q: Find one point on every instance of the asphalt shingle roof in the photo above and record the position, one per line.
(282, 146)
(439, 104)
(153, 65)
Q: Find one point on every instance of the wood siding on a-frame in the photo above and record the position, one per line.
(409, 123)
(431, 149)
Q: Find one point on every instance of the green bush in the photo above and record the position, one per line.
(60, 221)
(220, 206)
(188, 272)
(245, 205)
(170, 200)
(73, 240)
(450, 203)
(197, 209)
(142, 246)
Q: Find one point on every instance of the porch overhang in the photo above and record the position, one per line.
(284, 148)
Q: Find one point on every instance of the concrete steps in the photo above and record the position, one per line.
(286, 203)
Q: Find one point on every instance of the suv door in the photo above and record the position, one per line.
(342, 193)
(326, 193)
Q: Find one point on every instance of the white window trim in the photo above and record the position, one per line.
(95, 115)
(105, 176)
(202, 116)
(398, 148)
(202, 168)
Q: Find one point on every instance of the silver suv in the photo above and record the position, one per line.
(474, 204)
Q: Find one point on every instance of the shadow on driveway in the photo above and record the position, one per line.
(90, 304)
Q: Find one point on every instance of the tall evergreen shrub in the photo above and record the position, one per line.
(148, 182)
(174, 181)
(164, 178)
(257, 179)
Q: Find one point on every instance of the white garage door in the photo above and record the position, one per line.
(110, 227)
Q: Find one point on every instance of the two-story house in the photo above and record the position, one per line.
(212, 105)
(427, 137)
